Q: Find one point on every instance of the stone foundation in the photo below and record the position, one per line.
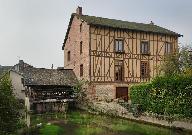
(103, 92)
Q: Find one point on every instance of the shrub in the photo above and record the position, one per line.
(165, 95)
(139, 95)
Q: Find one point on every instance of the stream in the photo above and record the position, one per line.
(83, 123)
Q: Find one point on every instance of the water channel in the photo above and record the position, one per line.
(82, 123)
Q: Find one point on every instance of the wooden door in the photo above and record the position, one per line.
(122, 92)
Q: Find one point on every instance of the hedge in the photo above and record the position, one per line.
(165, 95)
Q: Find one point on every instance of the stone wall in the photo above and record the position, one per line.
(72, 44)
(18, 88)
(115, 109)
(105, 91)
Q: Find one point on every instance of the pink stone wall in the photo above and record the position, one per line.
(73, 45)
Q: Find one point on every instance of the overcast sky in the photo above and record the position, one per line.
(34, 30)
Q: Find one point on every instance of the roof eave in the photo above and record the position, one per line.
(173, 34)
(72, 16)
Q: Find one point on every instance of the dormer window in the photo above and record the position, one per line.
(68, 56)
(144, 47)
(119, 45)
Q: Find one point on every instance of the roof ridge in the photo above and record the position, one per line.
(115, 19)
(120, 24)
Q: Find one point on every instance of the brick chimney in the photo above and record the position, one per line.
(79, 10)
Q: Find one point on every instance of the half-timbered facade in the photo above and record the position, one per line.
(112, 54)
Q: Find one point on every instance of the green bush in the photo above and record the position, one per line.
(139, 95)
(10, 109)
(165, 95)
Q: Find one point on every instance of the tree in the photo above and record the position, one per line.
(171, 64)
(186, 60)
(80, 90)
(9, 108)
(177, 63)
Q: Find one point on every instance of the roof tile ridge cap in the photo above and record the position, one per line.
(126, 21)
(154, 25)
(80, 16)
(117, 20)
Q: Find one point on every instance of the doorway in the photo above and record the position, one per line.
(122, 92)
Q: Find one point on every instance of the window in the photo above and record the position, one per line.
(144, 69)
(118, 70)
(22, 81)
(144, 47)
(81, 27)
(81, 70)
(118, 45)
(168, 48)
(68, 55)
(81, 47)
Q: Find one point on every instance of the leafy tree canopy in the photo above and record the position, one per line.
(178, 63)
(9, 108)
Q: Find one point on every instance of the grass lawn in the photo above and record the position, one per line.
(51, 130)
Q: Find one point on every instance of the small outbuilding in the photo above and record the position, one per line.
(43, 90)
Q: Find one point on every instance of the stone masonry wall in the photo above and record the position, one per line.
(73, 45)
(18, 88)
(104, 92)
(115, 109)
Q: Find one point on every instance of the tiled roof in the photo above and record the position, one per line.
(41, 76)
(50, 77)
(93, 20)
(113, 23)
